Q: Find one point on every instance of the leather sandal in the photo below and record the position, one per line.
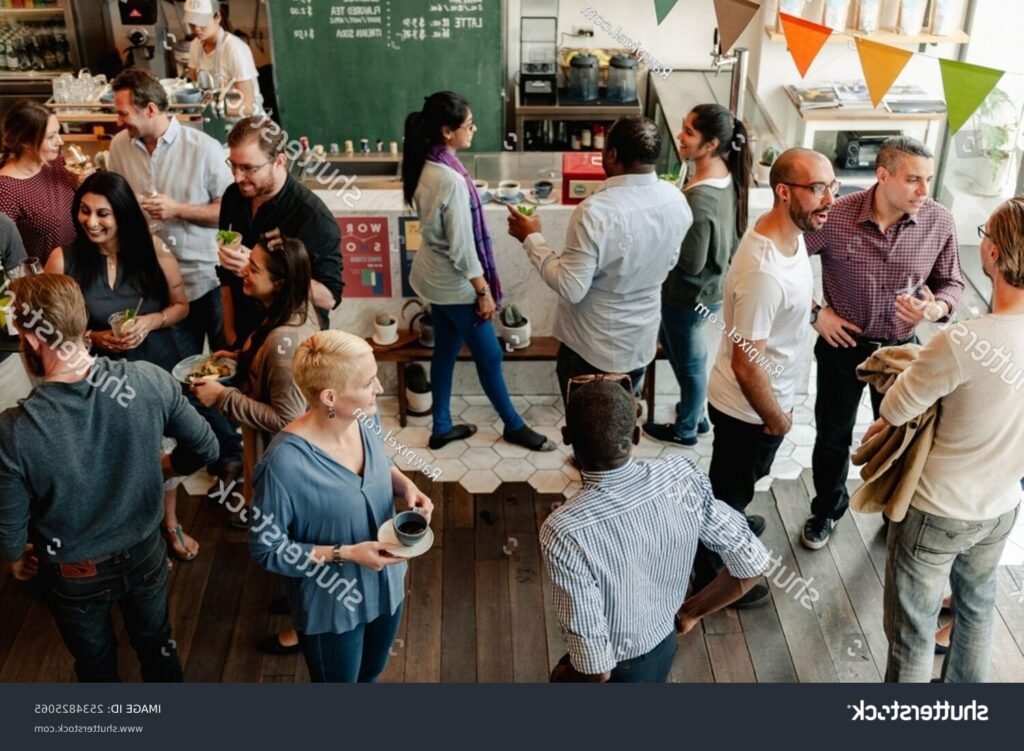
(178, 544)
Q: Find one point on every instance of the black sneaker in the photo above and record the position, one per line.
(703, 426)
(816, 531)
(756, 524)
(665, 433)
(755, 598)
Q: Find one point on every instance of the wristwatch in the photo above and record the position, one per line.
(482, 292)
(336, 556)
(815, 309)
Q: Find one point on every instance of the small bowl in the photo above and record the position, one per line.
(188, 96)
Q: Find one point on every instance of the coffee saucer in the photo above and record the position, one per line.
(386, 533)
(517, 198)
(531, 197)
(388, 343)
(486, 197)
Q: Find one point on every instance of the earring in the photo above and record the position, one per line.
(331, 414)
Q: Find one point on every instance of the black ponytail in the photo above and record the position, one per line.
(713, 121)
(423, 130)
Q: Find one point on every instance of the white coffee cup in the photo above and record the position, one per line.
(385, 329)
(508, 189)
(481, 186)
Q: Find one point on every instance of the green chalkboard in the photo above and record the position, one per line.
(353, 69)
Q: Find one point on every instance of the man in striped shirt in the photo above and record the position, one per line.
(619, 552)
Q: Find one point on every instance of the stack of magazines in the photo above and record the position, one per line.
(902, 98)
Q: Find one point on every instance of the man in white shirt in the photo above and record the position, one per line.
(967, 500)
(621, 244)
(766, 321)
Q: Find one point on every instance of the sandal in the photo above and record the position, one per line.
(178, 541)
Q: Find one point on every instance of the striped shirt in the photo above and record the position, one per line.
(864, 269)
(619, 555)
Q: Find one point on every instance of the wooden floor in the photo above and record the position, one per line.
(478, 605)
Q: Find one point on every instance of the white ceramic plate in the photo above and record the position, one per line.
(531, 198)
(189, 364)
(387, 534)
(517, 198)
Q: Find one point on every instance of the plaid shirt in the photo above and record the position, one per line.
(864, 269)
(619, 555)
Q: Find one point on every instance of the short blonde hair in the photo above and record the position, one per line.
(1006, 228)
(327, 360)
(53, 299)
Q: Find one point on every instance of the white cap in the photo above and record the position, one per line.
(198, 12)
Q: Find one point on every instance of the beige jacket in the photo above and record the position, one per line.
(894, 459)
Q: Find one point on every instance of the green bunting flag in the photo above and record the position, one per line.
(663, 8)
(966, 87)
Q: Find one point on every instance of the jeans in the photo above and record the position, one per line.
(923, 552)
(205, 320)
(835, 414)
(137, 581)
(568, 365)
(651, 667)
(453, 325)
(742, 453)
(356, 656)
(682, 336)
(226, 431)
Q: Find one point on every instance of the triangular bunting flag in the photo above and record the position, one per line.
(882, 65)
(663, 8)
(804, 39)
(733, 18)
(966, 87)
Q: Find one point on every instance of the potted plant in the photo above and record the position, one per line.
(997, 128)
(417, 390)
(515, 328)
(764, 167)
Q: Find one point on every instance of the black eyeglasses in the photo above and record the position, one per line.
(818, 189)
(246, 169)
(982, 234)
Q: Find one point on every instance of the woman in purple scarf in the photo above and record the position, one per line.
(454, 269)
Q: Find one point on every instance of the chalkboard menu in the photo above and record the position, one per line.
(352, 69)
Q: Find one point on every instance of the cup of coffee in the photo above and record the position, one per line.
(542, 188)
(508, 189)
(481, 186)
(410, 527)
(385, 329)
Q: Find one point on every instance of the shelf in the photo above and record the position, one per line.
(32, 14)
(883, 36)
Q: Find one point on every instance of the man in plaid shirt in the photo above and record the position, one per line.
(889, 260)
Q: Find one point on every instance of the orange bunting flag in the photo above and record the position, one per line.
(804, 39)
(966, 87)
(882, 65)
(733, 18)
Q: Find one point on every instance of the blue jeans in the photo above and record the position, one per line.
(356, 656)
(650, 667)
(136, 580)
(205, 320)
(924, 551)
(453, 325)
(682, 336)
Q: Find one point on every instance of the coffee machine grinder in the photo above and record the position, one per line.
(538, 52)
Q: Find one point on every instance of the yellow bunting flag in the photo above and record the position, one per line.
(966, 87)
(733, 18)
(804, 39)
(882, 65)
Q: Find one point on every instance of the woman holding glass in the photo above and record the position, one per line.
(323, 490)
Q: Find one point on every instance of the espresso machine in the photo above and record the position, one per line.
(140, 28)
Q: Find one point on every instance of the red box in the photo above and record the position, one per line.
(582, 173)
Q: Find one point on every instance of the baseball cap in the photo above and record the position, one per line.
(198, 12)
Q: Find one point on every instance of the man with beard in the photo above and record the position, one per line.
(265, 198)
(81, 484)
(889, 260)
(767, 308)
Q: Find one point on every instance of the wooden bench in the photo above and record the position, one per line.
(541, 349)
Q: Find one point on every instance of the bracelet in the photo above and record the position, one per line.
(336, 556)
(483, 291)
(163, 320)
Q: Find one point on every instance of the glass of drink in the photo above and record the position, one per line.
(118, 321)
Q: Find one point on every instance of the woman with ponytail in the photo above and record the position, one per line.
(717, 144)
(454, 269)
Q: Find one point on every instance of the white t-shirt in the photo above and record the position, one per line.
(230, 59)
(767, 296)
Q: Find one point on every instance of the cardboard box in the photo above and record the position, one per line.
(582, 173)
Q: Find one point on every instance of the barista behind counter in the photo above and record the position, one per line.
(265, 198)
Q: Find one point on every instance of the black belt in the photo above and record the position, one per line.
(879, 343)
(135, 551)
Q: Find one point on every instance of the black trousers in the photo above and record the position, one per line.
(835, 414)
(569, 364)
(741, 455)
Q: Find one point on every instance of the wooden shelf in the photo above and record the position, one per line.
(882, 36)
(32, 14)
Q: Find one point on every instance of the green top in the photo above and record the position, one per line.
(699, 275)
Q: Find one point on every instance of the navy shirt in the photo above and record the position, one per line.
(298, 213)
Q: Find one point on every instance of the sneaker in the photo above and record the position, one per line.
(755, 598)
(816, 531)
(665, 433)
(756, 524)
(703, 426)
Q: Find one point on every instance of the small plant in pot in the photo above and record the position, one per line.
(763, 169)
(515, 328)
(417, 390)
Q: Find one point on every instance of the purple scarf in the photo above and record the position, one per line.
(484, 248)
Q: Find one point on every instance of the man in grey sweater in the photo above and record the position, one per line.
(81, 483)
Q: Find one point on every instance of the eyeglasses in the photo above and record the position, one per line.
(579, 380)
(818, 189)
(245, 169)
(982, 233)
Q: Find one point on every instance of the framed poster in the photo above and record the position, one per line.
(366, 255)
(409, 241)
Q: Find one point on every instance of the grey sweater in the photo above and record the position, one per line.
(80, 463)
